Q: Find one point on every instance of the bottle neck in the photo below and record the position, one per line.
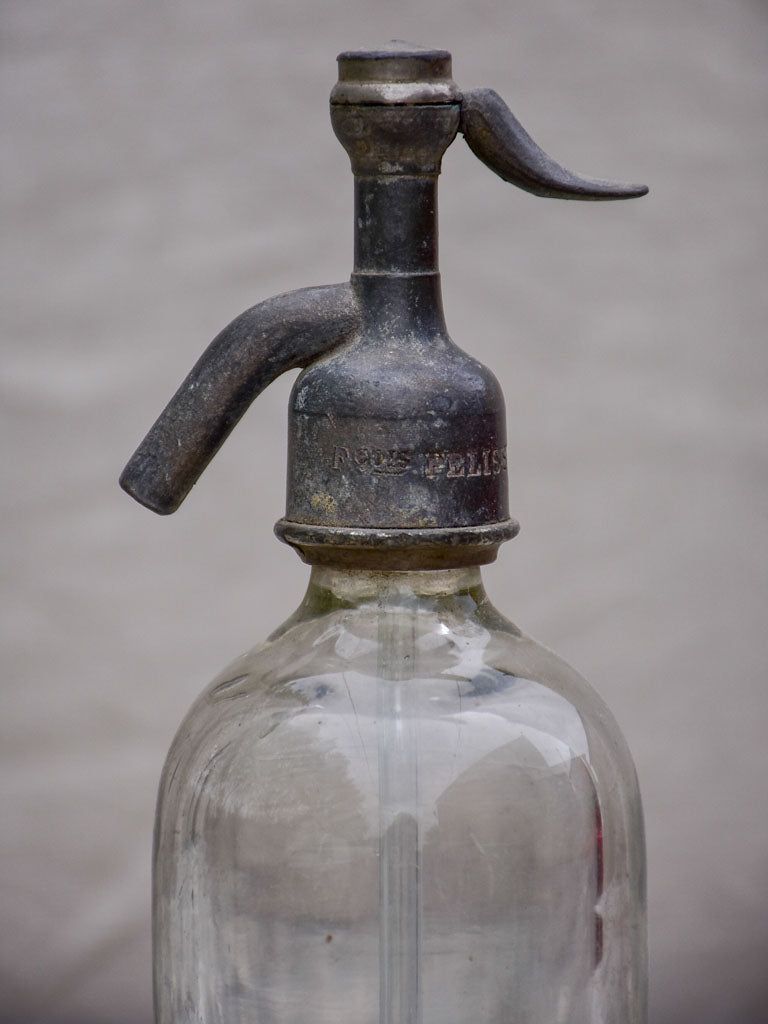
(329, 587)
(396, 263)
(396, 224)
(395, 151)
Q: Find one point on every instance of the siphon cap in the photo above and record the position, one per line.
(395, 74)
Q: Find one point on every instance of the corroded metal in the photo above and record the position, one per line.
(395, 73)
(397, 445)
(266, 340)
(443, 548)
(496, 137)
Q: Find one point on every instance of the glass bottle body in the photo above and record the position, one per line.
(399, 810)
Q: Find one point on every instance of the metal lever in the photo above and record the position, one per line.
(496, 137)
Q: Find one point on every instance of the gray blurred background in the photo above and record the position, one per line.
(166, 165)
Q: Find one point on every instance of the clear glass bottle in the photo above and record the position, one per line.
(399, 809)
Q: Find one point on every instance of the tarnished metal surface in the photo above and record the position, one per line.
(399, 428)
(444, 548)
(266, 340)
(397, 440)
(496, 137)
(395, 73)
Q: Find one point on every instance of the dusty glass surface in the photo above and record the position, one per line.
(399, 809)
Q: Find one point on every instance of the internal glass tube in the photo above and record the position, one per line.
(400, 830)
(399, 809)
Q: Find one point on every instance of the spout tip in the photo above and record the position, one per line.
(141, 485)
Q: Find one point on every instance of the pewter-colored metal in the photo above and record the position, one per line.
(266, 340)
(496, 137)
(394, 549)
(397, 438)
(393, 74)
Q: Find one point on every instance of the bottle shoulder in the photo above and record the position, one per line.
(354, 377)
(473, 679)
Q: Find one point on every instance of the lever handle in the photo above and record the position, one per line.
(496, 137)
(280, 334)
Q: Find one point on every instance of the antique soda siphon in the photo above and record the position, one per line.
(398, 809)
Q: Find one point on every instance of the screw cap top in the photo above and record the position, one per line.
(395, 74)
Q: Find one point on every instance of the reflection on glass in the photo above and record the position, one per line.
(399, 810)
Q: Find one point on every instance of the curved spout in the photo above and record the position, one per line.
(280, 334)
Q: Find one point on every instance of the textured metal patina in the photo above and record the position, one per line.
(274, 336)
(393, 74)
(397, 440)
